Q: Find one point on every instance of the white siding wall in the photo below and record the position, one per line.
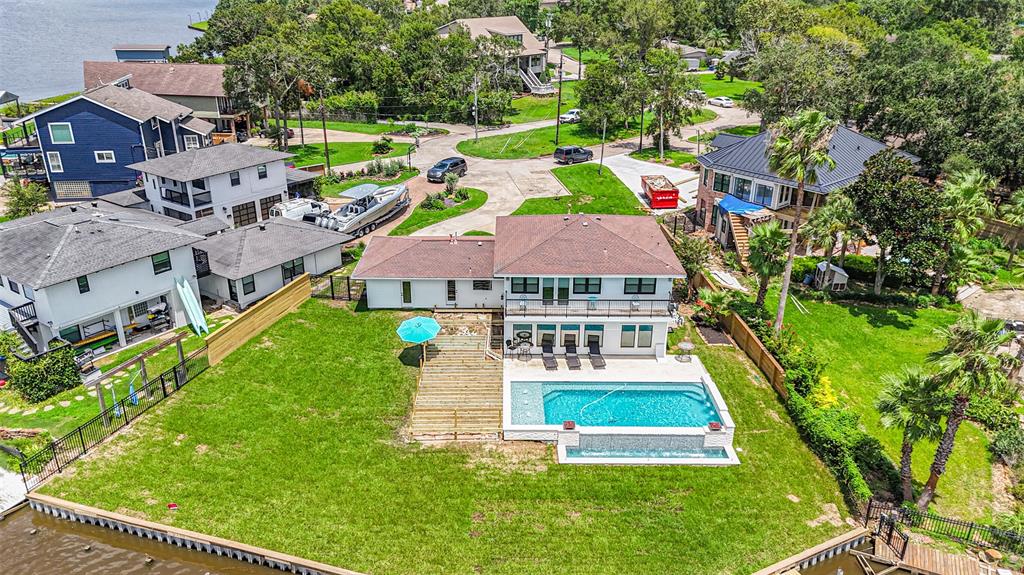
(611, 338)
(429, 294)
(223, 194)
(116, 287)
(612, 287)
(270, 280)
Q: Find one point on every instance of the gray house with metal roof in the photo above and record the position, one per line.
(738, 190)
(95, 274)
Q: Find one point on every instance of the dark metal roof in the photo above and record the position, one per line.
(725, 139)
(848, 148)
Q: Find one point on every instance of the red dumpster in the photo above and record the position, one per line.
(660, 192)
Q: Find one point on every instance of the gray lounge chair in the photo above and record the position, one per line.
(548, 355)
(571, 358)
(596, 359)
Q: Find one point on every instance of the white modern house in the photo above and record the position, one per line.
(236, 183)
(95, 274)
(249, 263)
(558, 280)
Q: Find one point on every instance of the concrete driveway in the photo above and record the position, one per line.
(630, 169)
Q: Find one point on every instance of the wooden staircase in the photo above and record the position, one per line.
(741, 239)
(458, 396)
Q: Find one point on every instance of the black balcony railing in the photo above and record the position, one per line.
(588, 307)
(175, 197)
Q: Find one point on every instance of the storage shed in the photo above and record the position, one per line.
(839, 277)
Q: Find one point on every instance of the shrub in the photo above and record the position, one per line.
(822, 395)
(382, 146)
(374, 167)
(461, 195)
(1017, 491)
(362, 103)
(433, 202)
(46, 376)
(451, 183)
(1008, 445)
(992, 413)
(391, 169)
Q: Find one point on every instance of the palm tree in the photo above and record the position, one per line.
(715, 305)
(827, 223)
(1013, 214)
(969, 366)
(715, 38)
(767, 255)
(964, 204)
(797, 147)
(911, 401)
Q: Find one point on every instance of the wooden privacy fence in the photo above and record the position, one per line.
(257, 318)
(748, 341)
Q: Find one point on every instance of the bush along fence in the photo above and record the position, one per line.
(967, 532)
(795, 371)
(54, 458)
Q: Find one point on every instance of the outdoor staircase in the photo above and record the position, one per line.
(741, 239)
(534, 84)
(458, 396)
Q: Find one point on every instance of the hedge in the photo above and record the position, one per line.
(45, 376)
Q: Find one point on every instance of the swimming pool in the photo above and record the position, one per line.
(613, 404)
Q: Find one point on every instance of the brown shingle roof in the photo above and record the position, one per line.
(426, 257)
(583, 245)
(503, 26)
(172, 79)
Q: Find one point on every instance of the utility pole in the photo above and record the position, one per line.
(643, 108)
(476, 107)
(698, 141)
(558, 118)
(302, 133)
(323, 124)
(604, 127)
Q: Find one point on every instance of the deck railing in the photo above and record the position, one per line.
(588, 307)
(965, 531)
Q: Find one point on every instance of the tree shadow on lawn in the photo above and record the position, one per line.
(899, 318)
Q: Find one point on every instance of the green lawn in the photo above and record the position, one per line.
(735, 89)
(341, 153)
(861, 343)
(420, 218)
(357, 127)
(747, 130)
(533, 108)
(590, 193)
(60, 419)
(201, 25)
(294, 447)
(334, 190)
(589, 56)
(541, 141)
(477, 233)
(675, 158)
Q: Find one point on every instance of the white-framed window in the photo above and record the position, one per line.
(191, 142)
(56, 166)
(61, 133)
(104, 156)
(154, 123)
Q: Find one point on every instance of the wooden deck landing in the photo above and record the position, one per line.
(928, 561)
(459, 393)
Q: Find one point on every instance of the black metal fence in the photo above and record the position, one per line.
(685, 223)
(964, 531)
(61, 452)
(336, 287)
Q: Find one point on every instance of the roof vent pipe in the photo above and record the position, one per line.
(585, 224)
(263, 227)
(74, 208)
(95, 204)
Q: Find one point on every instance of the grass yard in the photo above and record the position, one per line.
(861, 343)
(589, 56)
(421, 218)
(590, 192)
(747, 131)
(533, 108)
(734, 89)
(541, 141)
(62, 419)
(334, 190)
(477, 233)
(201, 26)
(309, 464)
(372, 129)
(674, 158)
(342, 153)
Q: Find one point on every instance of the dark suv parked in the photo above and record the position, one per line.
(447, 166)
(573, 154)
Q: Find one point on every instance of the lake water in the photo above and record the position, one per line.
(44, 42)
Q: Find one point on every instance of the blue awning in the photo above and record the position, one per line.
(734, 205)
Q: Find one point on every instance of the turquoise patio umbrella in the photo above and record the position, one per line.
(419, 329)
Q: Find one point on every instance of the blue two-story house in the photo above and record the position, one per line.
(88, 141)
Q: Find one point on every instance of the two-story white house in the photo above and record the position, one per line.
(236, 183)
(532, 60)
(94, 274)
(557, 280)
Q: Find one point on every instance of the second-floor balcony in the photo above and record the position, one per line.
(201, 199)
(590, 307)
(175, 197)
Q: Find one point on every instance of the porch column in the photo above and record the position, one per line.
(119, 326)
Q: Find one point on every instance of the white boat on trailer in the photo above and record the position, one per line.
(369, 205)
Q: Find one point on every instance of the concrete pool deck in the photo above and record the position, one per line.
(665, 370)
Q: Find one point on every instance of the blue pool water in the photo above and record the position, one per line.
(613, 404)
(708, 453)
